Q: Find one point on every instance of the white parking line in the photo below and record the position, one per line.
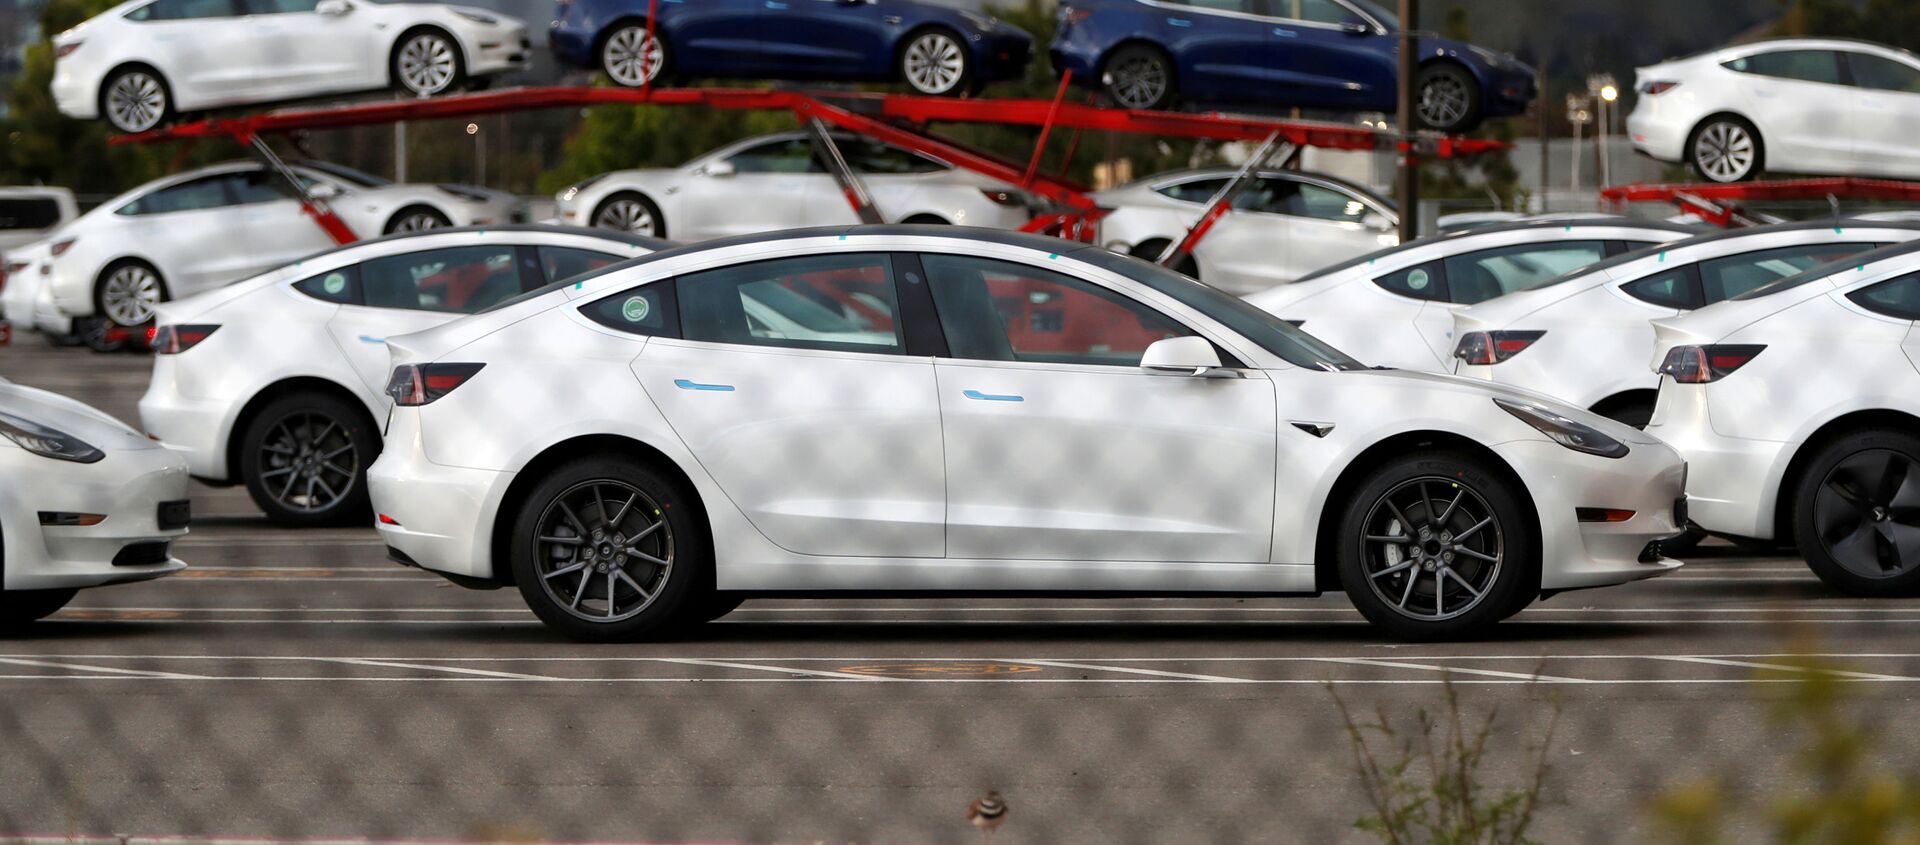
(458, 670)
(785, 670)
(1782, 667)
(81, 667)
(1491, 673)
(1131, 670)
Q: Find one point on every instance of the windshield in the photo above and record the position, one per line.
(347, 174)
(1270, 332)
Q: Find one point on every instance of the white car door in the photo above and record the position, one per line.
(1060, 448)
(415, 291)
(203, 47)
(189, 231)
(763, 188)
(310, 53)
(270, 220)
(824, 433)
(1797, 100)
(1886, 115)
(1330, 226)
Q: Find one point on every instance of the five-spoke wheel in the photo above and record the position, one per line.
(1858, 513)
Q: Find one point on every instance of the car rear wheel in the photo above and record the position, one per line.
(427, 62)
(135, 100)
(935, 63)
(631, 56)
(1447, 98)
(1857, 513)
(1138, 76)
(127, 292)
(1726, 149)
(304, 460)
(607, 549)
(632, 213)
(21, 607)
(417, 218)
(1434, 546)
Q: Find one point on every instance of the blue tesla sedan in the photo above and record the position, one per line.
(1324, 54)
(934, 49)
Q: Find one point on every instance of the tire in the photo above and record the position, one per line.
(715, 605)
(630, 57)
(417, 218)
(136, 99)
(1724, 148)
(1385, 580)
(1448, 98)
(126, 292)
(1856, 513)
(426, 62)
(935, 62)
(654, 582)
(631, 212)
(1139, 76)
(304, 459)
(19, 608)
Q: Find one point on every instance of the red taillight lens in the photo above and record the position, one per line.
(1657, 87)
(66, 49)
(1704, 364)
(173, 340)
(60, 248)
(412, 386)
(1493, 347)
(1009, 198)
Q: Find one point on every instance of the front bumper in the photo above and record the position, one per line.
(500, 52)
(127, 487)
(1650, 481)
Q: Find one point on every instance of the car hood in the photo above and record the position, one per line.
(75, 418)
(1437, 382)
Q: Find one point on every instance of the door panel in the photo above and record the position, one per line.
(1221, 47)
(1886, 114)
(1796, 98)
(312, 52)
(823, 38)
(1318, 64)
(776, 185)
(714, 37)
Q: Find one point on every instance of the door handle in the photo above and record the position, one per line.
(685, 384)
(775, 4)
(1285, 33)
(1179, 22)
(993, 397)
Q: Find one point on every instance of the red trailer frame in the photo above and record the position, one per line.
(1719, 204)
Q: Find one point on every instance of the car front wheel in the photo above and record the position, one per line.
(427, 63)
(631, 213)
(1434, 546)
(1857, 513)
(935, 63)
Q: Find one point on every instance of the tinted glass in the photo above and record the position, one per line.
(1198, 190)
(1328, 204)
(176, 10)
(1725, 278)
(1003, 311)
(645, 310)
(1273, 196)
(834, 302)
(790, 156)
(1895, 297)
(1317, 11)
(18, 213)
(1883, 74)
(341, 286)
(1251, 7)
(458, 279)
(1421, 281)
(1804, 65)
(273, 7)
(1480, 276)
(202, 193)
(347, 174)
(873, 157)
(260, 186)
(560, 262)
(1671, 289)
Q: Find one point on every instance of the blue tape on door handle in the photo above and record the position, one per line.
(372, 339)
(993, 397)
(684, 384)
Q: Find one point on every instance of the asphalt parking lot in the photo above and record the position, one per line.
(295, 684)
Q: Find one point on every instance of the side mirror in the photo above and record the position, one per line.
(1356, 28)
(1377, 222)
(719, 170)
(335, 8)
(323, 190)
(1184, 356)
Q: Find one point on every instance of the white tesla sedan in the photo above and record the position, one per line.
(1025, 414)
(85, 501)
(1797, 406)
(1285, 224)
(275, 382)
(1582, 338)
(775, 182)
(22, 275)
(184, 234)
(145, 61)
(1777, 106)
(1395, 307)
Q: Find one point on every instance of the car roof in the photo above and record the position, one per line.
(1496, 229)
(1716, 237)
(1821, 271)
(1268, 172)
(654, 244)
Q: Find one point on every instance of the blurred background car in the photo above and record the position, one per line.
(1798, 105)
(1284, 225)
(275, 382)
(1320, 54)
(1395, 307)
(777, 182)
(22, 276)
(177, 236)
(28, 214)
(933, 48)
(142, 62)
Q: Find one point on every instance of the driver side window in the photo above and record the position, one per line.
(1002, 311)
(794, 155)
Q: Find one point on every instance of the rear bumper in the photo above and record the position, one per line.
(1655, 137)
(1002, 56)
(197, 430)
(439, 517)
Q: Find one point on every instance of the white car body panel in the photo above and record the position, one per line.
(260, 58)
(26, 269)
(1192, 507)
(1345, 307)
(126, 485)
(1597, 335)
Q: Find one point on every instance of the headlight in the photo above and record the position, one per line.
(477, 17)
(1577, 436)
(574, 189)
(47, 442)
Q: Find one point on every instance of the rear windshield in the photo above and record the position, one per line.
(18, 213)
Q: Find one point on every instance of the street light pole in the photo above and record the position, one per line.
(1408, 193)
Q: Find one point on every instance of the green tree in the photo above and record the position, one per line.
(1486, 176)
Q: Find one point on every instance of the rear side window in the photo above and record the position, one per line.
(458, 280)
(1804, 65)
(180, 10)
(1883, 74)
(646, 310)
(1199, 190)
(840, 303)
(874, 157)
(561, 262)
(1421, 281)
(1670, 289)
(22, 213)
(1897, 298)
(1480, 276)
(1728, 277)
(340, 286)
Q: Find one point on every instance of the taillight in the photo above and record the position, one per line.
(1493, 347)
(173, 340)
(60, 247)
(62, 51)
(1003, 197)
(1654, 88)
(1704, 364)
(414, 385)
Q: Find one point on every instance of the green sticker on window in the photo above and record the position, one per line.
(635, 309)
(334, 283)
(1418, 279)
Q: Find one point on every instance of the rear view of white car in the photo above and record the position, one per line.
(85, 501)
(1801, 105)
(184, 234)
(1583, 338)
(30, 213)
(276, 382)
(1797, 407)
(1394, 308)
(1284, 225)
(776, 182)
(142, 62)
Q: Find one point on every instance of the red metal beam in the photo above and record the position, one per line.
(1846, 187)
